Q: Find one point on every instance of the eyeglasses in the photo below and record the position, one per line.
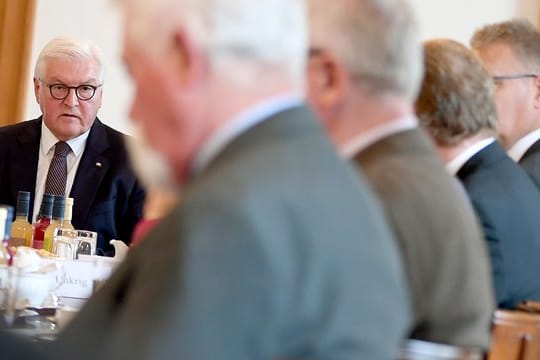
(61, 91)
(512, 77)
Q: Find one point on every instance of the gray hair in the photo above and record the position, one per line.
(270, 33)
(377, 40)
(456, 99)
(519, 34)
(69, 48)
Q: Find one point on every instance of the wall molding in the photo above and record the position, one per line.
(17, 19)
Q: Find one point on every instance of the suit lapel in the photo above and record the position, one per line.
(534, 148)
(90, 173)
(24, 161)
(488, 155)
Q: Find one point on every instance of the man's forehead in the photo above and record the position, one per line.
(72, 70)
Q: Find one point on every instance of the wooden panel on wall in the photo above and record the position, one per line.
(16, 31)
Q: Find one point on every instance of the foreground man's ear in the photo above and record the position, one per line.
(327, 82)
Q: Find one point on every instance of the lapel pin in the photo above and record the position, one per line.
(98, 164)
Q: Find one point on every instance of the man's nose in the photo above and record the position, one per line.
(71, 98)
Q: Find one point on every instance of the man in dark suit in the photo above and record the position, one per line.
(277, 249)
(68, 81)
(372, 121)
(510, 51)
(457, 108)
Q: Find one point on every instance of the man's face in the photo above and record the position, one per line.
(515, 98)
(70, 117)
(165, 107)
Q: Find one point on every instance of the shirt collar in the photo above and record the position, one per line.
(362, 141)
(239, 124)
(519, 149)
(457, 162)
(48, 140)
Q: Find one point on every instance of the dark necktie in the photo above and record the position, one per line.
(57, 175)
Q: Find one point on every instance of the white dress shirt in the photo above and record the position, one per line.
(240, 124)
(457, 162)
(519, 149)
(46, 153)
(362, 141)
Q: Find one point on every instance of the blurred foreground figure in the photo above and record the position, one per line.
(276, 250)
(510, 51)
(456, 107)
(364, 72)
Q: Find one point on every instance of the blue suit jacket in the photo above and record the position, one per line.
(507, 203)
(530, 162)
(108, 198)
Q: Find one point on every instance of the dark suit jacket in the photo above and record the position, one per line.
(107, 198)
(14, 347)
(530, 162)
(508, 205)
(276, 250)
(441, 243)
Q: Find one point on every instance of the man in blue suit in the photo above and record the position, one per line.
(456, 107)
(510, 51)
(68, 83)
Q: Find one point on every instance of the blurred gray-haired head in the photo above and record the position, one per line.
(377, 40)
(235, 34)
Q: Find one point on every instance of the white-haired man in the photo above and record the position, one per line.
(365, 71)
(68, 136)
(277, 250)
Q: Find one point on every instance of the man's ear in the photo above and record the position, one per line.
(36, 89)
(327, 82)
(187, 59)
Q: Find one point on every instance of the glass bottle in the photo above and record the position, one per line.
(21, 229)
(57, 222)
(68, 213)
(6, 218)
(43, 221)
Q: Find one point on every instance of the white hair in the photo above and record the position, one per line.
(377, 40)
(269, 33)
(69, 48)
(150, 167)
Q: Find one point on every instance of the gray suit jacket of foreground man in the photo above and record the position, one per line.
(443, 249)
(276, 251)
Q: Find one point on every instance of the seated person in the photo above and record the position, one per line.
(457, 108)
(88, 157)
(372, 121)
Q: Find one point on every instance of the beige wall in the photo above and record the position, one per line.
(458, 19)
(98, 20)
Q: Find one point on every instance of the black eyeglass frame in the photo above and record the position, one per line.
(512, 77)
(75, 88)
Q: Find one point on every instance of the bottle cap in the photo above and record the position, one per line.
(23, 203)
(46, 205)
(58, 207)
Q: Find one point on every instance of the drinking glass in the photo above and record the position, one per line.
(89, 237)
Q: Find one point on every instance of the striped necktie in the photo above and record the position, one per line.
(57, 175)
